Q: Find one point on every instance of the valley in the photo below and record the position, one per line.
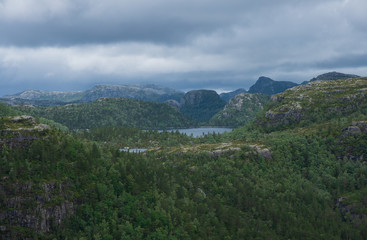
(293, 167)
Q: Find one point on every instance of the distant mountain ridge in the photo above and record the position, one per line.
(147, 92)
(268, 86)
(227, 96)
(333, 76)
(43, 95)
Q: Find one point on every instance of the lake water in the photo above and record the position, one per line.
(195, 132)
(198, 132)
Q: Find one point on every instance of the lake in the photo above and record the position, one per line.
(198, 132)
(195, 132)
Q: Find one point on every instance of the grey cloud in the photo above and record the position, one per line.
(115, 21)
(183, 44)
(161, 21)
(345, 61)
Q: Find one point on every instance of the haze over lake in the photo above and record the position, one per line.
(197, 132)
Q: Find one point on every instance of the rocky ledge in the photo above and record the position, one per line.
(20, 131)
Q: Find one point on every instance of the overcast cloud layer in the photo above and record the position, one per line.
(193, 44)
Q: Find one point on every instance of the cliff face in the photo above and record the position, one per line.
(31, 207)
(201, 105)
(27, 207)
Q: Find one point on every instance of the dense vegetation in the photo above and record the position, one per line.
(112, 112)
(313, 184)
(5, 110)
(120, 195)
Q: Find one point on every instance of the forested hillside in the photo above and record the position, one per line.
(112, 112)
(297, 176)
(240, 110)
(316, 102)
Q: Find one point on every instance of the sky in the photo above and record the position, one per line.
(64, 45)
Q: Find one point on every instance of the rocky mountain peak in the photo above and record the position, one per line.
(333, 76)
(269, 86)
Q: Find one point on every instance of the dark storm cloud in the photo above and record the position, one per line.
(71, 44)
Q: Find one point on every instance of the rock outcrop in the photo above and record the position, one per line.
(229, 95)
(20, 131)
(240, 110)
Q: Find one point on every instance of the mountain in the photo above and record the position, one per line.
(148, 92)
(315, 102)
(38, 95)
(227, 96)
(35, 102)
(201, 105)
(333, 76)
(240, 110)
(111, 112)
(268, 86)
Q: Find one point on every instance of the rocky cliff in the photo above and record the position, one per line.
(20, 131)
(32, 208)
(28, 208)
(201, 105)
